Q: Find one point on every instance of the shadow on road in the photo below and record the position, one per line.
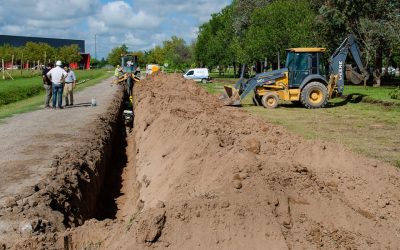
(78, 105)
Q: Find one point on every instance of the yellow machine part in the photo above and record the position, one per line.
(155, 68)
(281, 88)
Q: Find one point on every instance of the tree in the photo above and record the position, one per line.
(375, 24)
(280, 25)
(176, 53)
(155, 55)
(69, 54)
(216, 41)
(114, 57)
(243, 9)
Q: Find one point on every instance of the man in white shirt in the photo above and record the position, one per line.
(57, 76)
(70, 84)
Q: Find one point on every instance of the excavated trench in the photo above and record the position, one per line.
(91, 175)
(83, 184)
(106, 207)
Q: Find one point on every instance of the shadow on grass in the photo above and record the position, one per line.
(352, 98)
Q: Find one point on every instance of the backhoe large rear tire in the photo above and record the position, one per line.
(270, 100)
(314, 95)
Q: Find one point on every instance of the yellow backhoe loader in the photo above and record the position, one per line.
(302, 80)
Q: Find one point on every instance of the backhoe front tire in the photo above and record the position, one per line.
(270, 100)
(314, 95)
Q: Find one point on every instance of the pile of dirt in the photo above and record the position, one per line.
(69, 194)
(204, 176)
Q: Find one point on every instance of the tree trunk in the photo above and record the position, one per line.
(378, 67)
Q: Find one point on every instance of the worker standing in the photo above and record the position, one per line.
(57, 76)
(117, 71)
(47, 85)
(70, 84)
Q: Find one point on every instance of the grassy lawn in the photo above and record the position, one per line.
(371, 93)
(369, 129)
(29, 92)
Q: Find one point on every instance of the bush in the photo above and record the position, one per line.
(395, 94)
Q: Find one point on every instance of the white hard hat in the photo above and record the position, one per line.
(58, 63)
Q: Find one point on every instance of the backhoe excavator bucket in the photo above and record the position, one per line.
(231, 96)
(353, 76)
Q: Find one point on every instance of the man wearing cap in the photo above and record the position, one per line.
(47, 85)
(57, 76)
(70, 84)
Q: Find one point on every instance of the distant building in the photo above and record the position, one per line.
(18, 41)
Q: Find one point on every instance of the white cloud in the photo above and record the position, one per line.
(198, 9)
(117, 15)
(140, 24)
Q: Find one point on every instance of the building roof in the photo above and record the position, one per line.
(18, 41)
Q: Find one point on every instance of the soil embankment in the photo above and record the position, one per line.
(204, 176)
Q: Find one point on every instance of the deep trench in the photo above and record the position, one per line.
(106, 206)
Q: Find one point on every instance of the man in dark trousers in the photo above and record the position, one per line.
(47, 85)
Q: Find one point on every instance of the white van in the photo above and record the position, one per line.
(198, 74)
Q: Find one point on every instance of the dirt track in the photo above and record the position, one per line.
(203, 176)
(31, 145)
(214, 177)
(30, 141)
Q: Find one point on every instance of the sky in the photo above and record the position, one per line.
(140, 24)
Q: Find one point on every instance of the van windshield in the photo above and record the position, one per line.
(191, 72)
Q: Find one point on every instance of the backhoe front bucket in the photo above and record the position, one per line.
(231, 96)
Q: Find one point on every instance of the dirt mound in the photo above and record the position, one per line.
(207, 176)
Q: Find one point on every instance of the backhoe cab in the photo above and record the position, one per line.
(129, 63)
(302, 80)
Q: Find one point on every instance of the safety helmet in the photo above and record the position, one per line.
(58, 63)
(118, 66)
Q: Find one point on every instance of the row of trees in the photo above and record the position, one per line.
(173, 52)
(248, 31)
(42, 52)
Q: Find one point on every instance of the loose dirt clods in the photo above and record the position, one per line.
(204, 176)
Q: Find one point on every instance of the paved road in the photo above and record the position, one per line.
(28, 142)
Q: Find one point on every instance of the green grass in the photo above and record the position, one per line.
(22, 88)
(18, 89)
(27, 104)
(369, 129)
(371, 93)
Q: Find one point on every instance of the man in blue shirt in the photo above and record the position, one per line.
(70, 84)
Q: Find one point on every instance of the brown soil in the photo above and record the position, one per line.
(204, 176)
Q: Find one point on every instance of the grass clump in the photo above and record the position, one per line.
(395, 94)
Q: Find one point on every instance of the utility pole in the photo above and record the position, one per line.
(95, 46)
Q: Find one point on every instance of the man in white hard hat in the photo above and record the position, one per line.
(57, 76)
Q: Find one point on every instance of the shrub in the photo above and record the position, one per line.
(395, 94)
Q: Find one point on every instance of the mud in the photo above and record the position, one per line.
(213, 177)
(204, 176)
